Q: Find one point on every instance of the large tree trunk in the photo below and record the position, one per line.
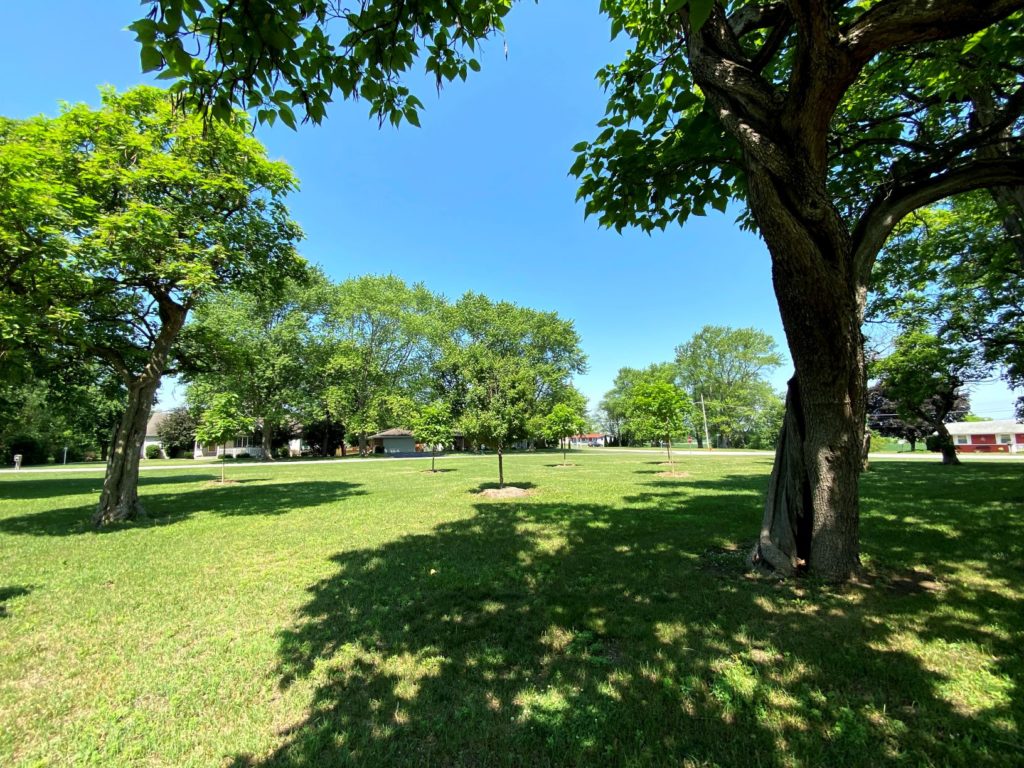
(119, 500)
(946, 445)
(812, 514)
(268, 441)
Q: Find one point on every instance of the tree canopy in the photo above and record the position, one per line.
(726, 367)
(127, 216)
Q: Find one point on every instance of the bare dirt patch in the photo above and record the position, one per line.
(508, 492)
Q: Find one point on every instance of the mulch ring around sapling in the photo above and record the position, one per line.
(508, 492)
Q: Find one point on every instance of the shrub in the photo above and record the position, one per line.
(933, 443)
(153, 452)
(243, 455)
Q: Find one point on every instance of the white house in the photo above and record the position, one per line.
(393, 442)
(999, 436)
(242, 444)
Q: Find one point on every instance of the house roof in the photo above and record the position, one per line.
(394, 432)
(591, 436)
(995, 427)
(155, 420)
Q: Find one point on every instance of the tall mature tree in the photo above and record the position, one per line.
(924, 376)
(254, 348)
(153, 210)
(615, 403)
(829, 121)
(377, 351)
(724, 368)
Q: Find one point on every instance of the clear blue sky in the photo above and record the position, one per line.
(477, 199)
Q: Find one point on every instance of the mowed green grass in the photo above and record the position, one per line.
(373, 614)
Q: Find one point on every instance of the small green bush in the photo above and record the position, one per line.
(153, 452)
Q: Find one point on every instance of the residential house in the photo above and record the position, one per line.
(392, 442)
(999, 436)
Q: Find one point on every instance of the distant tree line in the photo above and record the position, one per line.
(719, 375)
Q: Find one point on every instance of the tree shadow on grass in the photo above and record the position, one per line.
(580, 634)
(9, 593)
(257, 498)
(71, 486)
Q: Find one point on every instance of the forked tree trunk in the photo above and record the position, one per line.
(119, 499)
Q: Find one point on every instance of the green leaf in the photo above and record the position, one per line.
(699, 12)
(151, 58)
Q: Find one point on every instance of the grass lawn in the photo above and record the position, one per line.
(374, 614)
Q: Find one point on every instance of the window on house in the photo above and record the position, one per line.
(1005, 439)
(962, 440)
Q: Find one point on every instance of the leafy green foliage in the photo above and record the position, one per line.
(139, 207)
(177, 431)
(288, 60)
(224, 419)
(257, 345)
(564, 421)
(726, 366)
(657, 409)
(433, 425)
(374, 343)
(615, 405)
(959, 267)
(924, 375)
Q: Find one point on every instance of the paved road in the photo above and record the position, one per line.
(718, 453)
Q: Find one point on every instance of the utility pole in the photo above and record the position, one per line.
(707, 438)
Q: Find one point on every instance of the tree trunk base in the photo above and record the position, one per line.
(122, 512)
(784, 544)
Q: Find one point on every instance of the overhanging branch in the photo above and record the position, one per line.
(878, 221)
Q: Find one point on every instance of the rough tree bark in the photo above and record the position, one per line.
(119, 500)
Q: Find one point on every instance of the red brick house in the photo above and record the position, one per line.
(1002, 436)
